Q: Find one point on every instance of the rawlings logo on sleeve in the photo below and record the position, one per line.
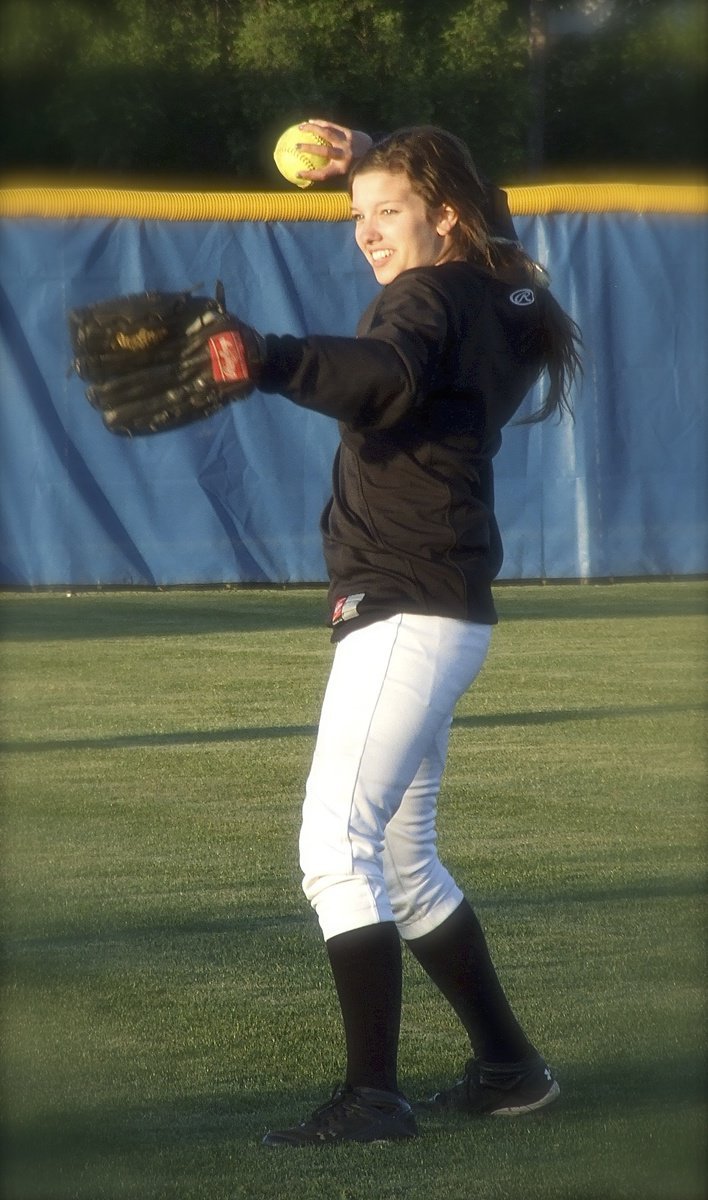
(522, 297)
(228, 361)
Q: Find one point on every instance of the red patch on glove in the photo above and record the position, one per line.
(228, 357)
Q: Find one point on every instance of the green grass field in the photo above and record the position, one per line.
(166, 997)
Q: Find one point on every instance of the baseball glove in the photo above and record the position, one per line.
(159, 360)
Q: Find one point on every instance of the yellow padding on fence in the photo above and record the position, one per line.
(143, 205)
(69, 203)
(609, 197)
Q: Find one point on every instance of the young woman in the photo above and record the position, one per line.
(444, 357)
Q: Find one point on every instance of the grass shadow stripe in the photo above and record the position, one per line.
(184, 737)
(187, 737)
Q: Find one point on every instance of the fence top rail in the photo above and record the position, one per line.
(20, 199)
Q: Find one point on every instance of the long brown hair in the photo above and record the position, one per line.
(441, 171)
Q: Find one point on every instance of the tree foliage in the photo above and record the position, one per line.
(635, 93)
(200, 88)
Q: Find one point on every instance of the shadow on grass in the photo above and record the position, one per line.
(197, 737)
(80, 1132)
(87, 615)
(69, 953)
(33, 955)
(132, 1126)
(645, 890)
(590, 600)
(50, 616)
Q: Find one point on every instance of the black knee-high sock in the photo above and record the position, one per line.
(366, 965)
(456, 957)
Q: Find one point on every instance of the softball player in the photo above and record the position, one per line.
(444, 356)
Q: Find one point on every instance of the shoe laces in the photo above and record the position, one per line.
(329, 1114)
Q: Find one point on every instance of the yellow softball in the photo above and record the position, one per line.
(289, 160)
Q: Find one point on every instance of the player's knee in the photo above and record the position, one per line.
(421, 894)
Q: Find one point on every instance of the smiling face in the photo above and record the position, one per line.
(394, 229)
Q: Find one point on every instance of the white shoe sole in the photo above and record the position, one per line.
(519, 1109)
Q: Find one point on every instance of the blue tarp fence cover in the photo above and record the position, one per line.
(236, 499)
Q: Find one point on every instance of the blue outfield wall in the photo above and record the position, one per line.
(619, 492)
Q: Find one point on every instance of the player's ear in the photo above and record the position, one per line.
(447, 219)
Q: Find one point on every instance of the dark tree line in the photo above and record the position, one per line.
(197, 90)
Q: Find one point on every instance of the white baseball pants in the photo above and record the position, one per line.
(368, 843)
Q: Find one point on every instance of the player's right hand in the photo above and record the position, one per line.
(346, 145)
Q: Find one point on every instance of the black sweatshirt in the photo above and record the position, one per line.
(442, 360)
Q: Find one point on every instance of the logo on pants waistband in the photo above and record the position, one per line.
(346, 607)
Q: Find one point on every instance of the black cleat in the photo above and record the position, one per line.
(498, 1089)
(359, 1114)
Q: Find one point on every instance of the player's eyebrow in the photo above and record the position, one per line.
(380, 204)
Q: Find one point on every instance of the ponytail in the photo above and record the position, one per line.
(560, 348)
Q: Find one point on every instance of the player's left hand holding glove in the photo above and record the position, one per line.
(159, 360)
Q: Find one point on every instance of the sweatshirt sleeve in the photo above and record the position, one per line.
(374, 380)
